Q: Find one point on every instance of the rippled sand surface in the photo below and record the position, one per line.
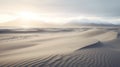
(75, 47)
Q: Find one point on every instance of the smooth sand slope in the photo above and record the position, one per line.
(87, 48)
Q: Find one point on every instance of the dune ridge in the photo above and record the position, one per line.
(93, 45)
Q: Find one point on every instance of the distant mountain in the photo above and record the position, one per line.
(85, 22)
(19, 23)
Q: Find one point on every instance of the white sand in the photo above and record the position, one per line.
(89, 48)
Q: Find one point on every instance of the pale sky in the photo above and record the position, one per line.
(60, 11)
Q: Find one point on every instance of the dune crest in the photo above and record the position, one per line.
(93, 45)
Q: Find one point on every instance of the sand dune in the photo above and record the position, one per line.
(87, 48)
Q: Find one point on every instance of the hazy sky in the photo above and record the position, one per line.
(62, 10)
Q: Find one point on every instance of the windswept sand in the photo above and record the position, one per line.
(82, 48)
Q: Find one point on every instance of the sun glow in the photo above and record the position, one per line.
(28, 16)
(27, 19)
(7, 18)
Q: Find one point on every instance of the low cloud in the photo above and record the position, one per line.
(108, 9)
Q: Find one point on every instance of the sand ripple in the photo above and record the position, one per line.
(91, 48)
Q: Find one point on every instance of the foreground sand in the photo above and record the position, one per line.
(83, 48)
